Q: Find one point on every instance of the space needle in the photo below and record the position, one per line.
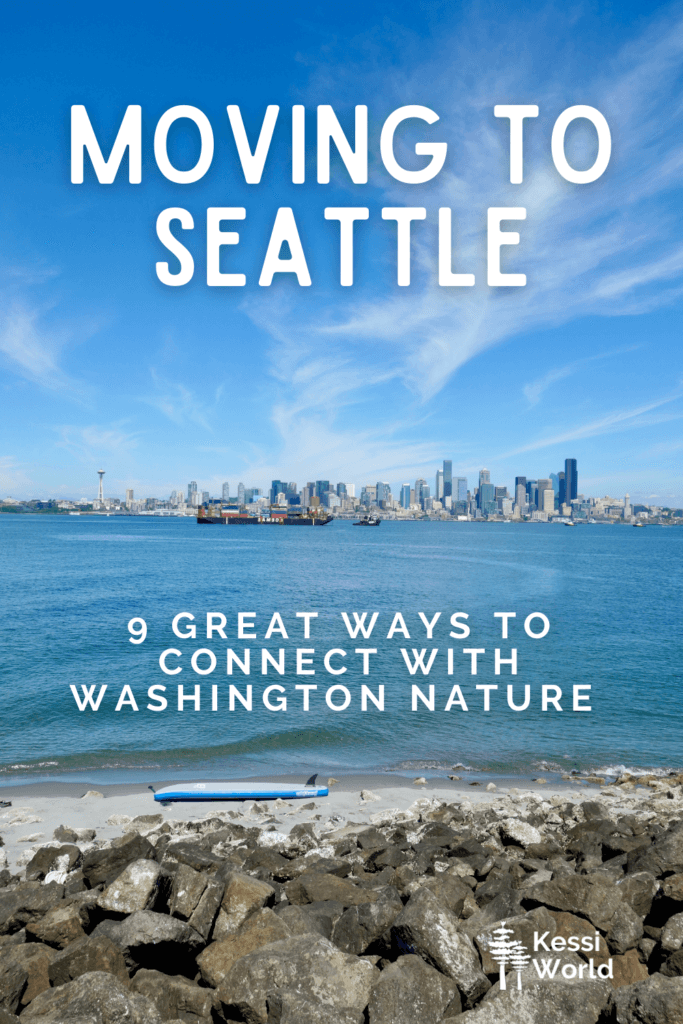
(100, 493)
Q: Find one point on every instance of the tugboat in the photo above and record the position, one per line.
(373, 520)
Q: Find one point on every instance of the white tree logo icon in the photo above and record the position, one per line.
(505, 950)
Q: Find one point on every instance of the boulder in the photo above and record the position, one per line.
(523, 928)
(262, 928)
(672, 934)
(204, 914)
(512, 830)
(673, 965)
(291, 1008)
(409, 991)
(584, 895)
(659, 1000)
(44, 859)
(626, 929)
(313, 918)
(35, 959)
(174, 998)
(639, 890)
(134, 889)
(193, 855)
(103, 866)
(315, 887)
(97, 998)
(58, 927)
(307, 967)
(362, 925)
(188, 887)
(91, 953)
(13, 981)
(543, 1002)
(28, 902)
(155, 941)
(242, 896)
(430, 930)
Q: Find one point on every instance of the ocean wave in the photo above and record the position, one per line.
(620, 769)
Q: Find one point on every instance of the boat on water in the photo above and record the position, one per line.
(639, 526)
(373, 520)
(274, 517)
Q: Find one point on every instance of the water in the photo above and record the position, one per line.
(612, 595)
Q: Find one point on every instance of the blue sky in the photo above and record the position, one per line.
(101, 365)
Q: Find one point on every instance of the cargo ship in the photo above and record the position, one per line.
(273, 517)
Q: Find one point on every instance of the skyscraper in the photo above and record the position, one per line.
(191, 492)
(484, 477)
(520, 491)
(226, 491)
(405, 496)
(461, 488)
(420, 485)
(383, 491)
(447, 478)
(240, 494)
(571, 480)
(439, 492)
(532, 493)
(321, 488)
(561, 492)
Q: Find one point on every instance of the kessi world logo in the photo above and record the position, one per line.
(513, 956)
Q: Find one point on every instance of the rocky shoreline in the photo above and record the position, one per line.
(521, 908)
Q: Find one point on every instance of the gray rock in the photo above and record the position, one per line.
(430, 930)
(659, 1000)
(639, 890)
(35, 959)
(174, 998)
(133, 889)
(316, 887)
(520, 832)
(583, 895)
(626, 929)
(292, 1008)
(155, 941)
(91, 953)
(44, 859)
(7, 1018)
(27, 903)
(522, 926)
(360, 926)
(60, 926)
(543, 1002)
(242, 896)
(308, 967)
(262, 928)
(188, 887)
(97, 998)
(13, 981)
(672, 934)
(204, 914)
(409, 991)
(305, 921)
(103, 866)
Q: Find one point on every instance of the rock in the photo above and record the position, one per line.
(97, 998)
(409, 991)
(35, 959)
(94, 794)
(672, 934)
(307, 967)
(7, 1018)
(155, 941)
(639, 890)
(491, 788)
(105, 865)
(664, 856)
(27, 902)
(91, 953)
(542, 1002)
(134, 889)
(174, 998)
(44, 859)
(58, 927)
(307, 920)
(64, 834)
(659, 1000)
(583, 895)
(143, 823)
(13, 981)
(523, 927)
(673, 965)
(204, 914)
(188, 887)
(291, 1008)
(428, 929)
(362, 925)
(513, 830)
(312, 888)
(626, 969)
(421, 781)
(262, 928)
(242, 896)
(193, 855)
(626, 929)
(672, 888)
(367, 796)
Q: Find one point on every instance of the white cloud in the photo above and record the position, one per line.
(94, 443)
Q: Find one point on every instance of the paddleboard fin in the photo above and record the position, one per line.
(311, 781)
(152, 788)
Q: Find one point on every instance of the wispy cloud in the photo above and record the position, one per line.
(14, 480)
(535, 389)
(608, 249)
(181, 405)
(94, 442)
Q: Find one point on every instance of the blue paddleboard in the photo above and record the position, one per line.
(238, 791)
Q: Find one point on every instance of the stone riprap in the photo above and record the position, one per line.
(512, 910)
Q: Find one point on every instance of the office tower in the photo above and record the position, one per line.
(129, 496)
(276, 487)
(412, 496)
(486, 496)
(627, 507)
(520, 491)
(425, 495)
(291, 487)
(350, 490)
(554, 482)
(321, 488)
(439, 492)
(560, 489)
(226, 491)
(461, 488)
(241, 493)
(191, 490)
(571, 480)
(420, 484)
(341, 490)
(447, 478)
(532, 493)
(382, 491)
(405, 496)
(205, 497)
(546, 499)
(501, 492)
(484, 477)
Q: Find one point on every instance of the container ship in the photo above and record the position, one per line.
(273, 517)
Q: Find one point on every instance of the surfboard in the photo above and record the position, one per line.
(238, 791)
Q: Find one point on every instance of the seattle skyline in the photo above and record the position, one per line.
(102, 365)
